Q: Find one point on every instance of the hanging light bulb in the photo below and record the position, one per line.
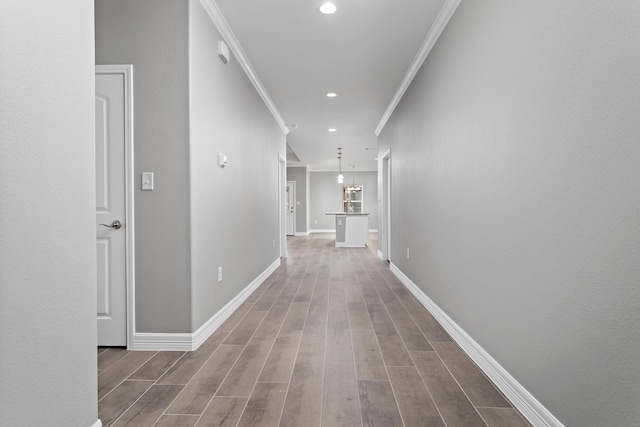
(340, 176)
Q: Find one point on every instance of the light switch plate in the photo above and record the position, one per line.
(222, 160)
(147, 181)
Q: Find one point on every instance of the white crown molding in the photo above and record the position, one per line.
(441, 21)
(190, 342)
(223, 27)
(529, 406)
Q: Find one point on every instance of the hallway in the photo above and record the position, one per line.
(332, 338)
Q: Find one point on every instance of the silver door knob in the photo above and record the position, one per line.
(115, 224)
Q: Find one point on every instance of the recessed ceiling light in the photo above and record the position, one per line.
(332, 95)
(333, 130)
(328, 8)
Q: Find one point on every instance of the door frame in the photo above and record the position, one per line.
(280, 199)
(126, 70)
(292, 187)
(385, 252)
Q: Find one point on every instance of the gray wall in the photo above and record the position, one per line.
(47, 215)
(152, 35)
(325, 195)
(299, 175)
(188, 107)
(515, 173)
(234, 219)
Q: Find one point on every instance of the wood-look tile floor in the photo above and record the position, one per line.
(332, 338)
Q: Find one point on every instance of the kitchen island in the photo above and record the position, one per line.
(352, 229)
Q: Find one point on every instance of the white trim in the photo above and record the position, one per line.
(280, 195)
(445, 14)
(222, 25)
(373, 230)
(528, 405)
(380, 254)
(97, 424)
(292, 185)
(191, 341)
(301, 233)
(385, 207)
(322, 230)
(129, 221)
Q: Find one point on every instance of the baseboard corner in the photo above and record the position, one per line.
(192, 341)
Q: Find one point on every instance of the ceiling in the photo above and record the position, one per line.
(362, 52)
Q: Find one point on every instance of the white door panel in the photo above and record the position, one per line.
(111, 209)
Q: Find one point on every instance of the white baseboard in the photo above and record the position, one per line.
(528, 405)
(97, 424)
(191, 341)
(301, 233)
(380, 255)
(331, 230)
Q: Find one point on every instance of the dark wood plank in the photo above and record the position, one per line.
(223, 412)
(279, 364)
(303, 406)
(147, 410)
(377, 311)
(425, 321)
(503, 417)
(305, 291)
(392, 347)
(120, 399)
(108, 356)
(271, 324)
(196, 395)
(187, 366)
(157, 365)
(176, 421)
(339, 348)
(353, 293)
(473, 381)
(296, 316)
(358, 315)
(243, 375)
(368, 358)
(120, 370)
(289, 291)
(341, 405)
(235, 318)
(378, 404)
(454, 406)
(316, 323)
(415, 403)
(246, 328)
(408, 330)
(264, 406)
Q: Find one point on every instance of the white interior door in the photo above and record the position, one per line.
(291, 208)
(111, 209)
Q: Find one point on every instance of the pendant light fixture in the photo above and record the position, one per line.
(340, 176)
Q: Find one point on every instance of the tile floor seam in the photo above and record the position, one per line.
(298, 350)
(268, 353)
(395, 397)
(127, 377)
